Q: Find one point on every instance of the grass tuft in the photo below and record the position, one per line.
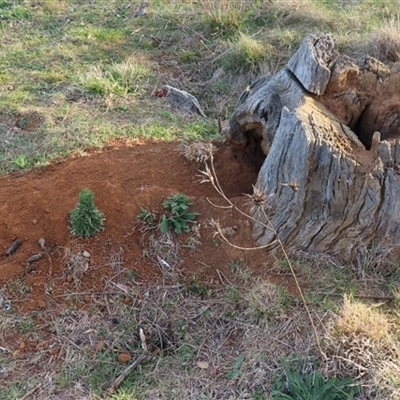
(363, 343)
(119, 79)
(357, 318)
(245, 54)
(226, 17)
(385, 41)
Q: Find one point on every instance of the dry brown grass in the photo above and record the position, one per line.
(359, 319)
(385, 42)
(76, 263)
(198, 152)
(183, 327)
(163, 251)
(363, 342)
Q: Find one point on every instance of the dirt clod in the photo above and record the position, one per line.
(124, 358)
(41, 304)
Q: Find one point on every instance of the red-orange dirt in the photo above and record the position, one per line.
(124, 177)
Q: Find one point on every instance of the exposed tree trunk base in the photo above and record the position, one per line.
(324, 131)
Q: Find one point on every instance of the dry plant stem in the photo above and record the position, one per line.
(321, 352)
(219, 231)
(27, 395)
(213, 178)
(86, 293)
(117, 383)
(385, 299)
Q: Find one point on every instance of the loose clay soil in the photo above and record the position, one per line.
(124, 177)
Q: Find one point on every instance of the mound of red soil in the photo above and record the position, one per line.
(124, 178)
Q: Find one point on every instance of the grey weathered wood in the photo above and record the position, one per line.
(312, 62)
(325, 192)
(184, 100)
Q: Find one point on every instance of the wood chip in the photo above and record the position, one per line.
(202, 364)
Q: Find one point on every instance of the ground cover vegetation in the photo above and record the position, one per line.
(76, 74)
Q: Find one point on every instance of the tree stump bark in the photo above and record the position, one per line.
(324, 132)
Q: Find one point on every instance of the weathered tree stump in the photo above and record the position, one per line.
(323, 131)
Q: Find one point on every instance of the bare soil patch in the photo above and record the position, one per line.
(124, 178)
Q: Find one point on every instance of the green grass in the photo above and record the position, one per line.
(69, 60)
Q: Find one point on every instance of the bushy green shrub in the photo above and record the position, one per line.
(178, 215)
(85, 219)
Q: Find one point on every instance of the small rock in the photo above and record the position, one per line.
(86, 254)
(123, 358)
(22, 346)
(41, 304)
(127, 300)
(34, 221)
(87, 299)
(69, 278)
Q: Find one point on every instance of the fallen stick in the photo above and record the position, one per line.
(359, 296)
(30, 392)
(117, 383)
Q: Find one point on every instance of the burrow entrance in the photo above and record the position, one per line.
(364, 94)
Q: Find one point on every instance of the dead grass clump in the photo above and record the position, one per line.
(198, 152)
(385, 41)
(117, 260)
(163, 250)
(363, 343)
(200, 345)
(77, 263)
(265, 299)
(360, 319)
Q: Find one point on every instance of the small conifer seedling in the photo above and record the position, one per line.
(85, 219)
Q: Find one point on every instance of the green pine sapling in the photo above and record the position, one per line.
(85, 219)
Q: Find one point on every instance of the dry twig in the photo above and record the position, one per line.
(211, 176)
(117, 383)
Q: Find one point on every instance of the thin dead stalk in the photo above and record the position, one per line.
(220, 233)
(28, 394)
(117, 383)
(212, 177)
